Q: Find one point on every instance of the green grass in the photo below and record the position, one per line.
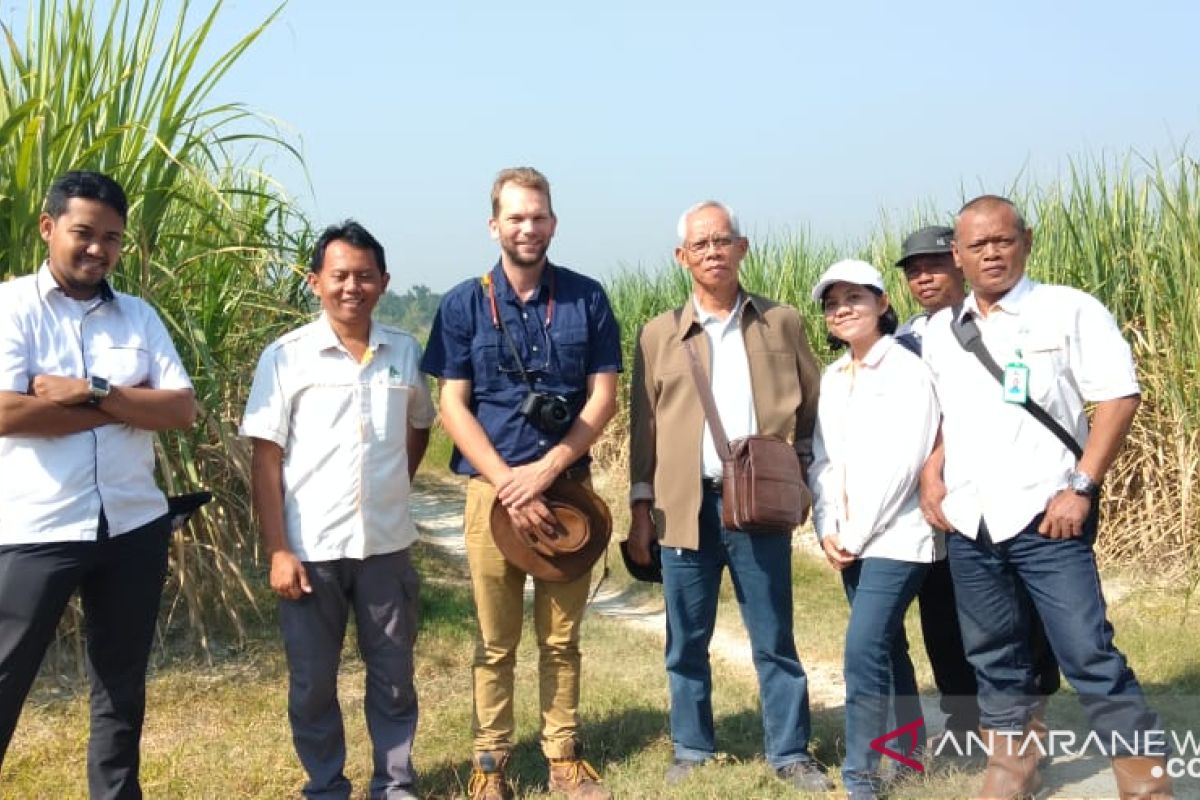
(219, 729)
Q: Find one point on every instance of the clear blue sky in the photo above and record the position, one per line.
(800, 115)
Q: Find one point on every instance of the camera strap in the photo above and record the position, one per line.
(498, 321)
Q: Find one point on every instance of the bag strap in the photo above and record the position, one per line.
(966, 331)
(707, 401)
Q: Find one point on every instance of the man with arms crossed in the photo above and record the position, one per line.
(87, 375)
(526, 326)
(1023, 510)
(339, 414)
(764, 380)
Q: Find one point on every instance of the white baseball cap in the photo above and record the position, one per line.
(849, 270)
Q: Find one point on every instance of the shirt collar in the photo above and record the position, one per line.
(873, 357)
(47, 285)
(691, 314)
(324, 337)
(1010, 303)
(504, 290)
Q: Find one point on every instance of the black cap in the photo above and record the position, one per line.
(933, 240)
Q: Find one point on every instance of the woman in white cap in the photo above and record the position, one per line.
(876, 424)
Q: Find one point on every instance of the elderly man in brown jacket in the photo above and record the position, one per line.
(764, 379)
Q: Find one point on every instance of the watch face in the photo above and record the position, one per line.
(99, 385)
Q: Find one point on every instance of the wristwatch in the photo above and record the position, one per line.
(98, 389)
(1082, 484)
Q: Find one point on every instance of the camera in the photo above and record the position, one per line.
(549, 413)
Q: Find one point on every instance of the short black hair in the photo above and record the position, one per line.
(888, 322)
(351, 233)
(86, 185)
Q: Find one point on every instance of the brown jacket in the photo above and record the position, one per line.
(667, 421)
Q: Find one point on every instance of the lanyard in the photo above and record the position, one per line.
(491, 289)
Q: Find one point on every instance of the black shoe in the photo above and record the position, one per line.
(679, 770)
(806, 776)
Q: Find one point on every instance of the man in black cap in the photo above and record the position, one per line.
(936, 283)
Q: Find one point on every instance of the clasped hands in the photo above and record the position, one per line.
(521, 491)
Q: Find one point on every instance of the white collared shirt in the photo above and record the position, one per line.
(1002, 465)
(876, 425)
(343, 427)
(730, 380)
(53, 487)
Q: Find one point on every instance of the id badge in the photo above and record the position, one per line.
(1016, 383)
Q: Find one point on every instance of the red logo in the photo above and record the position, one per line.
(911, 730)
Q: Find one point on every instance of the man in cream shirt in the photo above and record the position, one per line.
(339, 414)
(1023, 511)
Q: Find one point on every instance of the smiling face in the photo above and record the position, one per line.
(523, 225)
(711, 251)
(349, 284)
(934, 281)
(852, 313)
(84, 244)
(991, 249)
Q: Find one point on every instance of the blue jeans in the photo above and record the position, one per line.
(877, 665)
(761, 568)
(1063, 584)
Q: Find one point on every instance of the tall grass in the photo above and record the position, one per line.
(1129, 233)
(210, 241)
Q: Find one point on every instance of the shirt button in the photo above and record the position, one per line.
(535, 348)
(541, 442)
(524, 315)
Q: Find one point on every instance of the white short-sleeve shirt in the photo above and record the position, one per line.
(343, 428)
(53, 487)
(1002, 465)
(730, 381)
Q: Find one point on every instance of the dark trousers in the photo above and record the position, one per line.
(953, 674)
(382, 593)
(120, 582)
(1063, 585)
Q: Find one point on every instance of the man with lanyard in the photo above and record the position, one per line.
(764, 379)
(528, 358)
(87, 375)
(1022, 509)
(339, 417)
(935, 283)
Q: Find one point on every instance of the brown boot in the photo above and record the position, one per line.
(1012, 767)
(1038, 727)
(576, 778)
(487, 776)
(1136, 779)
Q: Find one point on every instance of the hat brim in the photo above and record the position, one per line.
(925, 251)
(565, 567)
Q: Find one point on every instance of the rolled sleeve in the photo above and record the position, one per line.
(605, 354)
(267, 411)
(448, 351)
(1101, 359)
(166, 368)
(421, 411)
(14, 362)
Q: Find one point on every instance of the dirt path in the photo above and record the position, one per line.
(437, 510)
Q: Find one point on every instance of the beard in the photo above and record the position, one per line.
(517, 259)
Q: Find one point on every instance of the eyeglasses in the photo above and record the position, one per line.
(720, 243)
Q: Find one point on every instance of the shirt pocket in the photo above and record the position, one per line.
(490, 358)
(121, 365)
(570, 353)
(389, 395)
(1046, 357)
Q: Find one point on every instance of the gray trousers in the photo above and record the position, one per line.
(382, 591)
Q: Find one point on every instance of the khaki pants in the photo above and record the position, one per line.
(557, 613)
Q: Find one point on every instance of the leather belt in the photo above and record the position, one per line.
(711, 484)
